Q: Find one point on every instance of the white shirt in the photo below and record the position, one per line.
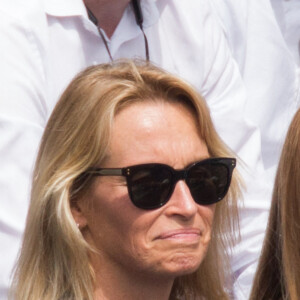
(266, 49)
(287, 15)
(44, 43)
(264, 37)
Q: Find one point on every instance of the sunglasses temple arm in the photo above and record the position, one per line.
(107, 172)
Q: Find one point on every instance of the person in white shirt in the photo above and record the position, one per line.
(45, 43)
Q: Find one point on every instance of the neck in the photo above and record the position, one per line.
(117, 282)
(124, 288)
(108, 13)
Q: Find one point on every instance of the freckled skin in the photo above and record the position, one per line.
(135, 241)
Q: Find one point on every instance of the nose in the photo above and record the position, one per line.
(181, 202)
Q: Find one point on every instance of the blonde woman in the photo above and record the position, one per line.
(278, 273)
(129, 197)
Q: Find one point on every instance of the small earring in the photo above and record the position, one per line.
(78, 225)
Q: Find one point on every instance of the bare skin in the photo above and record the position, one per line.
(141, 252)
(108, 13)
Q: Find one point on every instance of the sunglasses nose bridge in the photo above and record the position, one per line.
(179, 175)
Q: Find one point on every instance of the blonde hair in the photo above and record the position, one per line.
(278, 273)
(54, 261)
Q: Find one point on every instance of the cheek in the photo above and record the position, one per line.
(124, 242)
(115, 224)
(207, 217)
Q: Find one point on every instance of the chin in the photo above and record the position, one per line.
(183, 264)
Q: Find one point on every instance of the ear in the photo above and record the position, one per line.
(78, 214)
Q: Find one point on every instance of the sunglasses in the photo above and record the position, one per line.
(151, 185)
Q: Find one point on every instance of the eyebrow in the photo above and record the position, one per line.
(117, 171)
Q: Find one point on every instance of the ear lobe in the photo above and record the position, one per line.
(78, 214)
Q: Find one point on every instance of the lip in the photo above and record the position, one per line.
(181, 234)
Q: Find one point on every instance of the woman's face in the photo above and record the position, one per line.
(171, 240)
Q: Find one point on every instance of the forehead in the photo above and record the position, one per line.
(155, 132)
(153, 112)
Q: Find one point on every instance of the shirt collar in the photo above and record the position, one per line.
(65, 8)
(69, 8)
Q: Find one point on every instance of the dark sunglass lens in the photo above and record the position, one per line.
(208, 182)
(149, 186)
